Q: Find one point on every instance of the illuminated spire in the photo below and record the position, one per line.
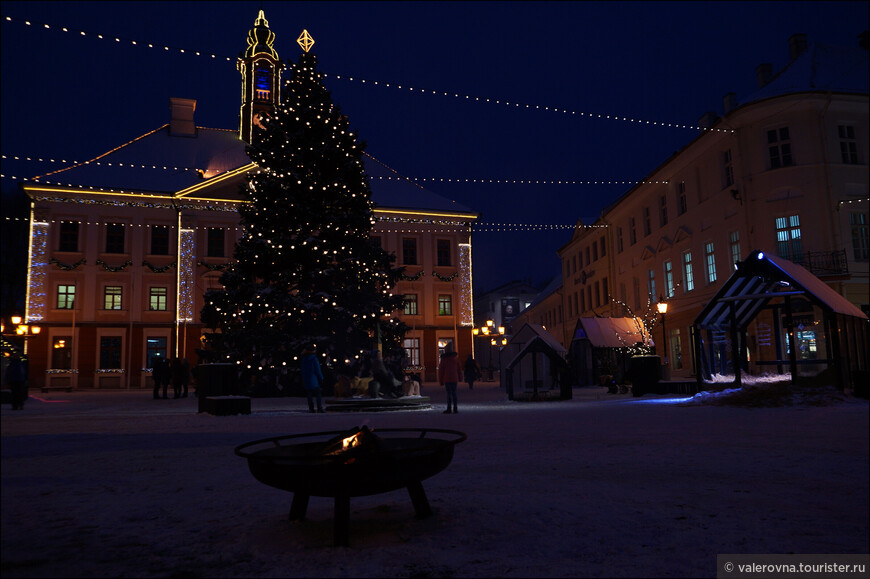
(260, 38)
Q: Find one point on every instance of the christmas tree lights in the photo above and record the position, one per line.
(304, 269)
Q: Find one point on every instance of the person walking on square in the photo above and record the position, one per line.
(312, 378)
(16, 377)
(449, 374)
(472, 371)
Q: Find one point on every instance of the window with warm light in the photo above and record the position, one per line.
(410, 305)
(412, 349)
(66, 296)
(61, 352)
(445, 305)
(157, 302)
(112, 297)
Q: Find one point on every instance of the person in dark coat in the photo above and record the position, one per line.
(472, 371)
(312, 378)
(449, 374)
(180, 372)
(16, 377)
(160, 375)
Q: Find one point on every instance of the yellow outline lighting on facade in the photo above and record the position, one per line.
(216, 180)
(427, 213)
(305, 41)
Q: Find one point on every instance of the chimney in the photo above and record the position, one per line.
(708, 120)
(729, 102)
(763, 73)
(181, 119)
(797, 45)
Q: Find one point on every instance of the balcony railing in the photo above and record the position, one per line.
(824, 263)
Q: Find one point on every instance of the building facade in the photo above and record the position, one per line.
(784, 172)
(124, 247)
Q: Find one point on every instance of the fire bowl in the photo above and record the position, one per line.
(315, 464)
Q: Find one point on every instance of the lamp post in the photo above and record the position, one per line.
(19, 329)
(662, 307)
(493, 332)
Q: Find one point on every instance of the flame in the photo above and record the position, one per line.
(351, 441)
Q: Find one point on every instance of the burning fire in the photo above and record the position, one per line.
(351, 441)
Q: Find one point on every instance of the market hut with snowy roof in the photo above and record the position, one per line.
(536, 367)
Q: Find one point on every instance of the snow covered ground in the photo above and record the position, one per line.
(120, 485)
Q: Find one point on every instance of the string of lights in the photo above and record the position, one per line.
(443, 228)
(371, 177)
(98, 163)
(397, 86)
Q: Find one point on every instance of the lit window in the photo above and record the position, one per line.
(112, 297)
(669, 279)
(735, 246)
(412, 349)
(444, 305)
(688, 273)
(410, 308)
(158, 299)
(788, 237)
(66, 297)
(710, 259)
(651, 285)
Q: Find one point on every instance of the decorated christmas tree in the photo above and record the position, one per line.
(306, 270)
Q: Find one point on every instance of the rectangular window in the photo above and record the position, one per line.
(669, 279)
(860, 247)
(779, 148)
(734, 242)
(579, 261)
(710, 260)
(663, 210)
(848, 144)
(412, 349)
(682, 205)
(647, 222)
(409, 251)
(594, 251)
(445, 307)
(788, 237)
(159, 240)
(588, 258)
(588, 303)
(110, 352)
(632, 232)
(155, 348)
(69, 236)
(114, 238)
(410, 307)
(66, 297)
(573, 264)
(635, 289)
(605, 294)
(597, 293)
(377, 241)
(157, 301)
(727, 169)
(688, 273)
(61, 353)
(443, 252)
(619, 247)
(112, 297)
(602, 246)
(651, 285)
(215, 237)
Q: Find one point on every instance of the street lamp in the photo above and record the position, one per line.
(492, 331)
(662, 307)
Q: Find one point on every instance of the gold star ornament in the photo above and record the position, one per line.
(305, 41)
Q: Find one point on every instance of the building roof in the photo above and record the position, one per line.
(761, 278)
(158, 162)
(611, 332)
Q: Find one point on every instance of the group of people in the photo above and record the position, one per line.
(16, 378)
(166, 372)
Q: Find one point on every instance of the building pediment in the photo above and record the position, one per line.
(682, 233)
(648, 252)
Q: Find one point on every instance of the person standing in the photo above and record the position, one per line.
(160, 376)
(312, 378)
(16, 377)
(185, 377)
(472, 371)
(449, 374)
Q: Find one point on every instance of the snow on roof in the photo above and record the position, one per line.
(611, 332)
(158, 162)
(821, 68)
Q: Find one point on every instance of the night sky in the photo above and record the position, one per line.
(68, 96)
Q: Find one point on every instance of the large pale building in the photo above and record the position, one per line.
(124, 246)
(785, 171)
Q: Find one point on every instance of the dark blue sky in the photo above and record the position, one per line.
(73, 97)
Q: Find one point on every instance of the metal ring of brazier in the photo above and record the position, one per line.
(303, 469)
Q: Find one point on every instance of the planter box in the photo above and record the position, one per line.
(225, 405)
